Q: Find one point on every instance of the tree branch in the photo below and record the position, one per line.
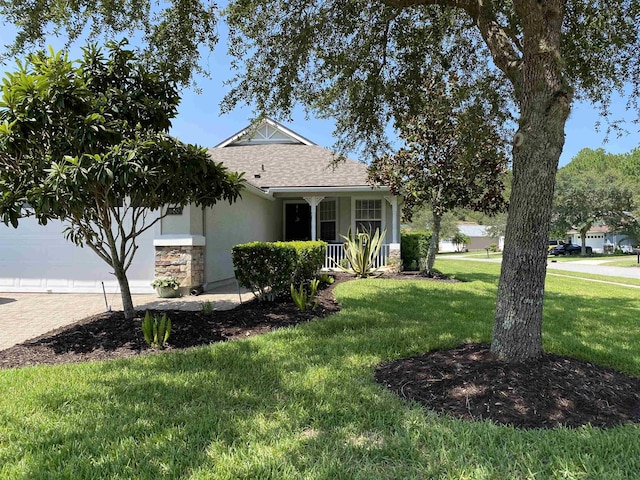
(504, 48)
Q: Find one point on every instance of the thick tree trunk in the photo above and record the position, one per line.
(435, 243)
(125, 292)
(544, 100)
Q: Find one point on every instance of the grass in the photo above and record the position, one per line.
(302, 403)
(593, 276)
(472, 253)
(627, 261)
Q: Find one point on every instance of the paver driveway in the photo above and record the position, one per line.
(28, 315)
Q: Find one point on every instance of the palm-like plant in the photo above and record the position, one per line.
(361, 251)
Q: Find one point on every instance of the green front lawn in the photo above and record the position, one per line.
(626, 261)
(302, 403)
(593, 276)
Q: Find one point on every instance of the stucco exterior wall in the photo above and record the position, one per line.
(38, 258)
(187, 223)
(480, 243)
(250, 219)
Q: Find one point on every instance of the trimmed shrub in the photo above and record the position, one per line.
(310, 260)
(269, 268)
(265, 268)
(413, 247)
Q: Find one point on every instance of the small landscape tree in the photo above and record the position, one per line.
(87, 143)
(454, 157)
(460, 240)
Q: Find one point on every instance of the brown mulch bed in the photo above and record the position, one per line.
(469, 383)
(466, 382)
(108, 335)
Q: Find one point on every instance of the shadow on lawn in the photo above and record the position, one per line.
(301, 401)
(162, 415)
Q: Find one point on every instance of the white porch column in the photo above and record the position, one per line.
(393, 201)
(313, 202)
(394, 261)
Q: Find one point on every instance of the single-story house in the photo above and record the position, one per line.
(293, 192)
(479, 238)
(600, 239)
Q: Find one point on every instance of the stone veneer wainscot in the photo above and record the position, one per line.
(181, 257)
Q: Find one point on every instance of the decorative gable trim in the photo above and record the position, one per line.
(264, 132)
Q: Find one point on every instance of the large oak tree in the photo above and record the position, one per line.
(362, 62)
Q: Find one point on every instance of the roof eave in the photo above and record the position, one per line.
(336, 189)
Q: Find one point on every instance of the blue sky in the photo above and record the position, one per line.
(199, 120)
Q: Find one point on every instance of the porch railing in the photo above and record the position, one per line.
(335, 253)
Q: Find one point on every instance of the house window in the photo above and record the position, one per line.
(368, 215)
(328, 216)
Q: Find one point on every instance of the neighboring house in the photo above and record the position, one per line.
(479, 238)
(599, 238)
(293, 192)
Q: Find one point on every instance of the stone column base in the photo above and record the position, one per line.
(186, 263)
(394, 261)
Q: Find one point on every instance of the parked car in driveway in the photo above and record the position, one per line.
(554, 243)
(627, 249)
(569, 249)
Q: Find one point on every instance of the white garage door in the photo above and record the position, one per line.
(35, 258)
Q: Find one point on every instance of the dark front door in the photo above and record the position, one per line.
(297, 221)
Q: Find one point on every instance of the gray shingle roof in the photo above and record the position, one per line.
(473, 229)
(286, 165)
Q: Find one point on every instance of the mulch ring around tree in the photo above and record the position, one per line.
(468, 382)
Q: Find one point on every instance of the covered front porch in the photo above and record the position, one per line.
(328, 216)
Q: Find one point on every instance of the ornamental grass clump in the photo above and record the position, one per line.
(361, 251)
(305, 300)
(156, 330)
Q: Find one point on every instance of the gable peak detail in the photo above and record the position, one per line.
(265, 131)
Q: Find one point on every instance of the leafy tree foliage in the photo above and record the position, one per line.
(172, 33)
(583, 199)
(598, 187)
(422, 219)
(87, 143)
(454, 157)
(363, 62)
(460, 240)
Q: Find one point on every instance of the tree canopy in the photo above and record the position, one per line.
(585, 199)
(599, 187)
(86, 142)
(362, 62)
(173, 34)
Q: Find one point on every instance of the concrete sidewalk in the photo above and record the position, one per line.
(28, 315)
